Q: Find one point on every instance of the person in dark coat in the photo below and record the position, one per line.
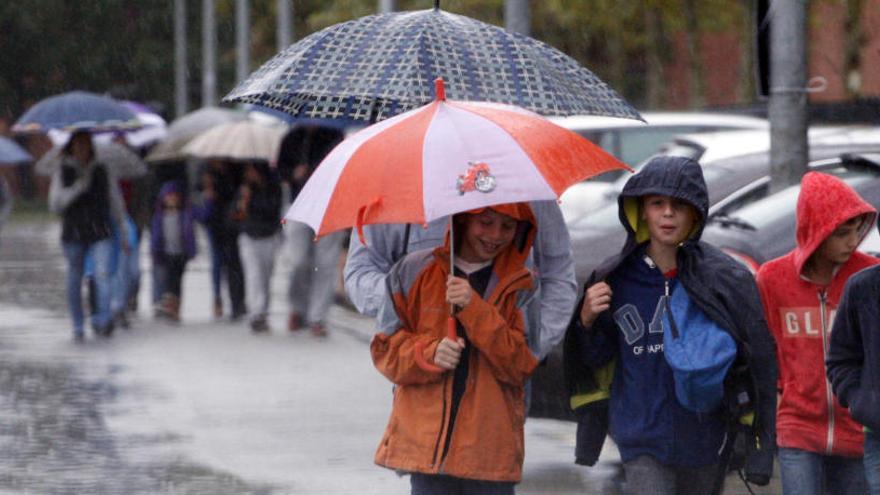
(220, 183)
(618, 376)
(853, 362)
(259, 213)
(88, 199)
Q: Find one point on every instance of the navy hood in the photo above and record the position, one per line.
(673, 176)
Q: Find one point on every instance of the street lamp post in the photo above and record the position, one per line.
(788, 94)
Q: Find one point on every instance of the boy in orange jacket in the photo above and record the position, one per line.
(820, 446)
(457, 421)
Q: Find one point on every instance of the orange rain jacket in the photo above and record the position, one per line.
(487, 438)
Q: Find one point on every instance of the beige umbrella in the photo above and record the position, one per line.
(120, 161)
(182, 130)
(238, 141)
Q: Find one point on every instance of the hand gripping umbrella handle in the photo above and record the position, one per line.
(420, 348)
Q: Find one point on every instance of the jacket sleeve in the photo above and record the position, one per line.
(552, 253)
(772, 319)
(846, 361)
(501, 342)
(393, 349)
(61, 195)
(204, 210)
(394, 357)
(117, 205)
(266, 206)
(748, 314)
(596, 344)
(366, 268)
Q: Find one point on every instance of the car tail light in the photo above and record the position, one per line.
(746, 260)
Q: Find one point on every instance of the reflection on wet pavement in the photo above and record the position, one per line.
(54, 435)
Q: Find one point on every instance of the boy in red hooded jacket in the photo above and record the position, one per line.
(820, 446)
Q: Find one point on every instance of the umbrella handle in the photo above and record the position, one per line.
(420, 348)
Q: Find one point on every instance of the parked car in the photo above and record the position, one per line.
(708, 147)
(754, 226)
(632, 142)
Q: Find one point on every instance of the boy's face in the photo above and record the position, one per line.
(81, 147)
(172, 201)
(486, 234)
(842, 243)
(669, 220)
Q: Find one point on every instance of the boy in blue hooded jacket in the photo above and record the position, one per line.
(616, 336)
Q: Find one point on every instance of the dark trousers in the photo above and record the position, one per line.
(169, 274)
(234, 272)
(438, 484)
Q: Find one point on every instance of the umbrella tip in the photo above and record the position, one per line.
(440, 89)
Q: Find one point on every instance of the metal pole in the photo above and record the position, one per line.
(517, 18)
(386, 6)
(242, 40)
(284, 36)
(788, 96)
(209, 54)
(180, 80)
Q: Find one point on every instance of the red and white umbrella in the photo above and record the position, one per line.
(444, 158)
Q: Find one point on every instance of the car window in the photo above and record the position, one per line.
(759, 210)
(638, 143)
(604, 218)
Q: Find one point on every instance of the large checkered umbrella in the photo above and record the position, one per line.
(378, 66)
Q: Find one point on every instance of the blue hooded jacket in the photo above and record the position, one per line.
(722, 288)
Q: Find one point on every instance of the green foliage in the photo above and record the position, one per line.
(126, 48)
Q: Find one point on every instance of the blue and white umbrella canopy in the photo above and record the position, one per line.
(11, 153)
(377, 66)
(77, 110)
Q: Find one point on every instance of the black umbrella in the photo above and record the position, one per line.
(381, 65)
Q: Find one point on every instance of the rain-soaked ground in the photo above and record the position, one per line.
(205, 407)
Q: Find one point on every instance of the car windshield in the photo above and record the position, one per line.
(604, 218)
(766, 210)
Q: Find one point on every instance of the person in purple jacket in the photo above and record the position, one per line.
(172, 245)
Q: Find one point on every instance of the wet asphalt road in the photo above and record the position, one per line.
(205, 407)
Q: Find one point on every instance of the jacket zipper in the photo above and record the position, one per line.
(500, 290)
(823, 317)
(443, 424)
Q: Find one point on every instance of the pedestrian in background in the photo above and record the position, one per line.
(225, 223)
(820, 446)
(314, 268)
(213, 221)
(172, 245)
(617, 336)
(5, 201)
(458, 428)
(259, 212)
(88, 199)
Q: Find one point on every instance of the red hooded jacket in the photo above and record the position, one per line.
(800, 314)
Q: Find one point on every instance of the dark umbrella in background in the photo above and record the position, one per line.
(377, 66)
(77, 110)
